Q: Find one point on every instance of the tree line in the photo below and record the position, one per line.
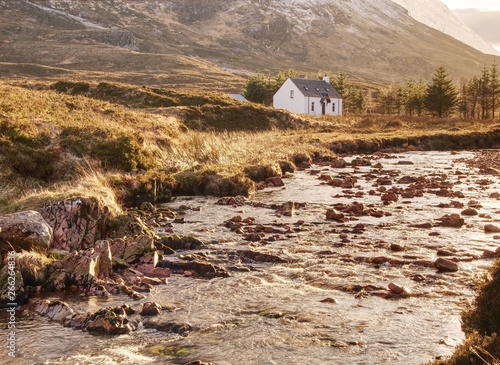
(477, 98)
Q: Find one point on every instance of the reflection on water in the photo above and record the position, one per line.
(277, 314)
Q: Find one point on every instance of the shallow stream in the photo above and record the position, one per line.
(329, 302)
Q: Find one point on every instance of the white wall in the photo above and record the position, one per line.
(300, 104)
(282, 100)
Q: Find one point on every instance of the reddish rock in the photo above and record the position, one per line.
(422, 225)
(389, 197)
(111, 321)
(76, 223)
(334, 215)
(452, 220)
(275, 181)
(444, 265)
(469, 212)
(150, 309)
(395, 288)
(490, 228)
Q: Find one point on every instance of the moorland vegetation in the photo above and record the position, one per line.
(125, 144)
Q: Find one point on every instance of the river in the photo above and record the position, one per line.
(328, 302)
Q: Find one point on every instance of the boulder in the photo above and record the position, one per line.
(150, 309)
(56, 310)
(112, 321)
(25, 231)
(76, 223)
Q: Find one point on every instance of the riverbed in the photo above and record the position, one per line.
(321, 295)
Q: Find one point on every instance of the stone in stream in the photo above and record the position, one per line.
(444, 265)
(332, 214)
(55, 310)
(490, 228)
(150, 309)
(469, 212)
(399, 290)
(275, 181)
(422, 225)
(111, 321)
(452, 220)
(389, 197)
(165, 325)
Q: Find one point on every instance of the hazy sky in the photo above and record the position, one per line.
(482, 16)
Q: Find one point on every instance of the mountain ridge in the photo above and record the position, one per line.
(438, 16)
(149, 40)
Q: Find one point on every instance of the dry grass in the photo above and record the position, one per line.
(56, 145)
(91, 182)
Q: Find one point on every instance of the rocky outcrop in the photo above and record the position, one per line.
(83, 269)
(76, 223)
(25, 231)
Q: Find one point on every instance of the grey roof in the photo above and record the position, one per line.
(316, 88)
(238, 97)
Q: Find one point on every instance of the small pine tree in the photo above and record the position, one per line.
(441, 96)
(494, 89)
(256, 89)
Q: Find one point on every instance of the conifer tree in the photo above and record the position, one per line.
(473, 95)
(484, 89)
(414, 94)
(494, 89)
(441, 96)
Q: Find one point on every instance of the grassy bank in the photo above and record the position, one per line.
(126, 144)
(481, 324)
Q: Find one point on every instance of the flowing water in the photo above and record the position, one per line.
(276, 313)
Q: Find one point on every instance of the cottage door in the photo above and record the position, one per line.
(323, 108)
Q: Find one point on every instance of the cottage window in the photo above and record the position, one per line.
(312, 106)
(333, 107)
(291, 94)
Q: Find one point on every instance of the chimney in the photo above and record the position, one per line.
(326, 78)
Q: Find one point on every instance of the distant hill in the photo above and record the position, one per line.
(215, 43)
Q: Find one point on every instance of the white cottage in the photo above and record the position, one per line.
(303, 96)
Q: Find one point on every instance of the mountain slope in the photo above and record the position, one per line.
(435, 14)
(168, 42)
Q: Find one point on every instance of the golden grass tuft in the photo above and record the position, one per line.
(91, 182)
(34, 267)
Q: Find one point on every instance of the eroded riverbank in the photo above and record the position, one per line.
(303, 286)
